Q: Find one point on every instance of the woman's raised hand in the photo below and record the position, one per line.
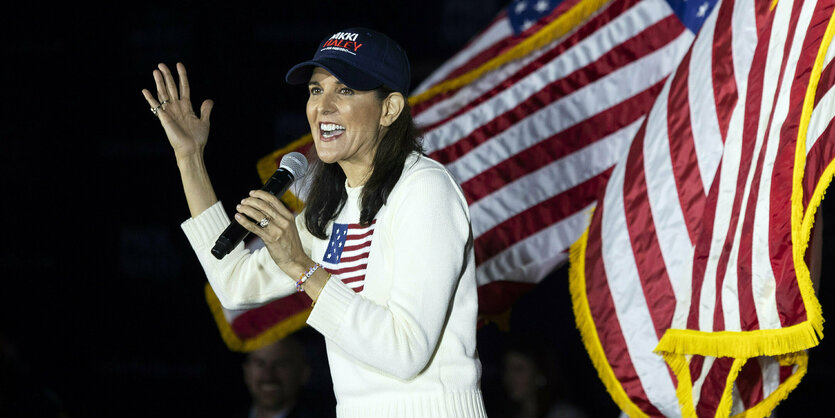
(186, 132)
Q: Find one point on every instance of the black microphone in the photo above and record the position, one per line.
(293, 166)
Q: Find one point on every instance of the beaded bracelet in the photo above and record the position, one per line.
(303, 278)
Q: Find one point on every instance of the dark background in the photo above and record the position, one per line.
(102, 306)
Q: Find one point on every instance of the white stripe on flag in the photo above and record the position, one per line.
(551, 180)
(671, 229)
(704, 122)
(629, 301)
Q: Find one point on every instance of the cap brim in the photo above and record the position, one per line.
(345, 73)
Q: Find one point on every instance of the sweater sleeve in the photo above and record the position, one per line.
(430, 230)
(242, 279)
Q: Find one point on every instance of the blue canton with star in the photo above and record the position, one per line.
(336, 244)
(522, 14)
(692, 12)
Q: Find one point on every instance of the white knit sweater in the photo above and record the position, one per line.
(405, 345)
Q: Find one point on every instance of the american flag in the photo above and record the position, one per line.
(533, 141)
(347, 255)
(690, 285)
(530, 117)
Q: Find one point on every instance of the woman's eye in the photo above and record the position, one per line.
(315, 90)
(346, 90)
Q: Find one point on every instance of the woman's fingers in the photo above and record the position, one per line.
(162, 90)
(250, 225)
(170, 84)
(274, 203)
(152, 101)
(185, 90)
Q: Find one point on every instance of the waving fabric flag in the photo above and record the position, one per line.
(690, 286)
(530, 117)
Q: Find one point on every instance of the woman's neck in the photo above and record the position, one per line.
(357, 174)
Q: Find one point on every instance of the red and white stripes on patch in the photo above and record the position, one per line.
(694, 231)
(533, 142)
(347, 254)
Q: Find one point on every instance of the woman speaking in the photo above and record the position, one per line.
(383, 246)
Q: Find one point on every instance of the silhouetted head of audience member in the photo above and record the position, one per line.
(533, 383)
(275, 375)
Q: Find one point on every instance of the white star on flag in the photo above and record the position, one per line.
(702, 10)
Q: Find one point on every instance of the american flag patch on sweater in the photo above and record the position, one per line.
(347, 253)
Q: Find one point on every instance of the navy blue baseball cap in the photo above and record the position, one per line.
(361, 58)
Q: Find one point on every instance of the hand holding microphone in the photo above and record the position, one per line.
(293, 166)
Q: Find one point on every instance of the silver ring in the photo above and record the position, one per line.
(264, 222)
(163, 103)
(155, 110)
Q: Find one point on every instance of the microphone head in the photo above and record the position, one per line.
(295, 163)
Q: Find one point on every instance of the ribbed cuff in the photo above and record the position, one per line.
(330, 308)
(205, 227)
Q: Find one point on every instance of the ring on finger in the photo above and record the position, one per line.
(163, 103)
(155, 110)
(264, 222)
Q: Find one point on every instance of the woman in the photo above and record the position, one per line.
(400, 336)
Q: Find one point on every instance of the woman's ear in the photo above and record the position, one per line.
(392, 106)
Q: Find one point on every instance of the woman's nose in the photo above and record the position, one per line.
(327, 103)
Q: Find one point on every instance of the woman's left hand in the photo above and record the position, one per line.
(276, 226)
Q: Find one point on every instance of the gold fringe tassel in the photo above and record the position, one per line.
(802, 223)
(739, 344)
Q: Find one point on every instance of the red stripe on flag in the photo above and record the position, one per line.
(745, 293)
(609, 331)
(691, 194)
(353, 279)
(537, 218)
(560, 145)
(357, 247)
(750, 383)
(786, 372)
(696, 365)
(350, 237)
(652, 272)
(816, 162)
(827, 79)
(701, 254)
(353, 258)
(713, 387)
(724, 83)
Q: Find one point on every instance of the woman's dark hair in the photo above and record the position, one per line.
(327, 193)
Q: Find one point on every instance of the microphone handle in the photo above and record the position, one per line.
(276, 185)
